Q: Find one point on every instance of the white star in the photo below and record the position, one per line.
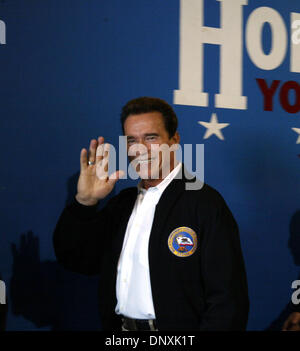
(297, 130)
(213, 127)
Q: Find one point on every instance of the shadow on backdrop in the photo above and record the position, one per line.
(294, 246)
(48, 295)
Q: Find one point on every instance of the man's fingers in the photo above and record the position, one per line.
(103, 150)
(102, 159)
(102, 153)
(92, 150)
(100, 140)
(83, 159)
(98, 151)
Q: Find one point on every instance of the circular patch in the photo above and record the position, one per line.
(182, 241)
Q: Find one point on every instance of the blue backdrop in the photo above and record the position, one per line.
(66, 69)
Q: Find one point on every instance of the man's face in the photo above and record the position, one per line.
(146, 132)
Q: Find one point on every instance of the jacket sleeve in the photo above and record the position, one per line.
(80, 233)
(223, 273)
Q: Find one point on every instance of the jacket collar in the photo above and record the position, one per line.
(182, 182)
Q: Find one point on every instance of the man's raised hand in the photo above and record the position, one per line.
(94, 183)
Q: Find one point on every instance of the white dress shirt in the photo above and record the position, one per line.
(133, 287)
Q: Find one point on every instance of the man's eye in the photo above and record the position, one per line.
(151, 138)
(130, 142)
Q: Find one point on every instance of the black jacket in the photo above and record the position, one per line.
(206, 290)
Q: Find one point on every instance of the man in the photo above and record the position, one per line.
(168, 258)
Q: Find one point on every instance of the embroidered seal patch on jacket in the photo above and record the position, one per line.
(182, 241)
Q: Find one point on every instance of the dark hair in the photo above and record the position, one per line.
(151, 104)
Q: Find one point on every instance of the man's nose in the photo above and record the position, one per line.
(144, 145)
(142, 142)
(141, 148)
